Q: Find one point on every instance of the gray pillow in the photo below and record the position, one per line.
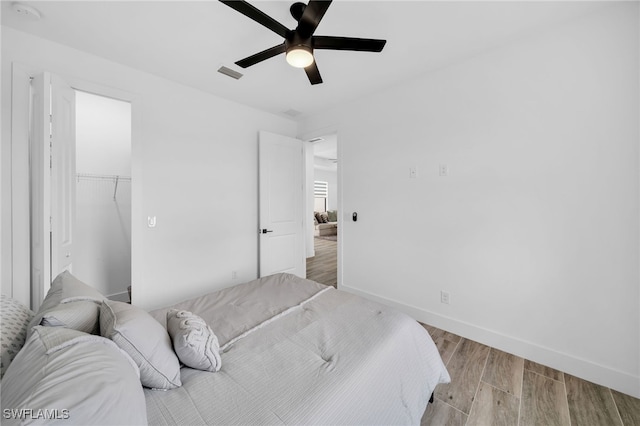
(69, 303)
(145, 340)
(74, 378)
(14, 319)
(193, 340)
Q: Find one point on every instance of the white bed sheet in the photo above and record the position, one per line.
(307, 354)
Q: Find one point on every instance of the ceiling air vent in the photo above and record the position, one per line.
(231, 73)
(292, 113)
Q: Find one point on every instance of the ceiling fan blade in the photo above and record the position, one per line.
(261, 56)
(313, 73)
(312, 16)
(348, 43)
(258, 16)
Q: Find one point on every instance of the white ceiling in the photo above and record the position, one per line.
(187, 41)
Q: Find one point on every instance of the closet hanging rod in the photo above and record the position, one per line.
(113, 178)
(103, 177)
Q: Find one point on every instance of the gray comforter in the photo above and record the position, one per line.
(297, 352)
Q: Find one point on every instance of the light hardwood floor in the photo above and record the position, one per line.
(323, 267)
(491, 387)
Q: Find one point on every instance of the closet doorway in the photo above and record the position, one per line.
(323, 266)
(103, 194)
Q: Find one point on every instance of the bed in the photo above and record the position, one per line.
(291, 351)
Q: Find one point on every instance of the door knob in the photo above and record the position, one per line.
(265, 230)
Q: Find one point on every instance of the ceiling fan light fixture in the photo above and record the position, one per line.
(300, 56)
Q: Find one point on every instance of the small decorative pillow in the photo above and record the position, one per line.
(14, 319)
(193, 340)
(332, 215)
(72, 377)
(325, 217)
(145, 340)
(69, 303)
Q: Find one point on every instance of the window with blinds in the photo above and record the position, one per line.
(320, 193)
(320, 189)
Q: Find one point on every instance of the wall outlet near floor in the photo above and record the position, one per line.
(445, 297)
(234, 275)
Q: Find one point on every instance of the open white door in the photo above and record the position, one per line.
(52, 181)
(281, 189)
(63, 173)
(39, 187)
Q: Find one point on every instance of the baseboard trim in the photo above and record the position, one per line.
(579, 367)
(119, 297)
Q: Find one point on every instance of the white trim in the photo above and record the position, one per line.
(576, 366)
(119, 297)
(19, 257)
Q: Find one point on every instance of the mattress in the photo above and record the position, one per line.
(297, 352)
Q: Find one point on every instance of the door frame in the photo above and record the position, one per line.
(19, 258)
(307, 136)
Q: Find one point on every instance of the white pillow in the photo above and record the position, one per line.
(73, 377)
(69, 303)
(193, 340)
(145, 340)
(14, 319)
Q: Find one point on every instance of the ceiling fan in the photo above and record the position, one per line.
(300, 42)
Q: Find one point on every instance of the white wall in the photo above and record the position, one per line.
(103, 206)
(535, 232)
(103, 135)
(194, 167)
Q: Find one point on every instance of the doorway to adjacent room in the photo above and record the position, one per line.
(322, 267)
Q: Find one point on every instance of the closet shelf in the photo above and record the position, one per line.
(114, 178)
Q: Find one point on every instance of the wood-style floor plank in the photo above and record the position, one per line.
(544, 370)
(544, 401)
(445, 342)
(323, 267)
(493, 406)
(465, 369)
(590, 404)
(482, 377)
(504, 371)
(438, 333)
(442, 414)
(628, 407)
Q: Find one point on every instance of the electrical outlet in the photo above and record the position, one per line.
(234, 275)
(443, 170)
(413, 172)
(445, 297)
